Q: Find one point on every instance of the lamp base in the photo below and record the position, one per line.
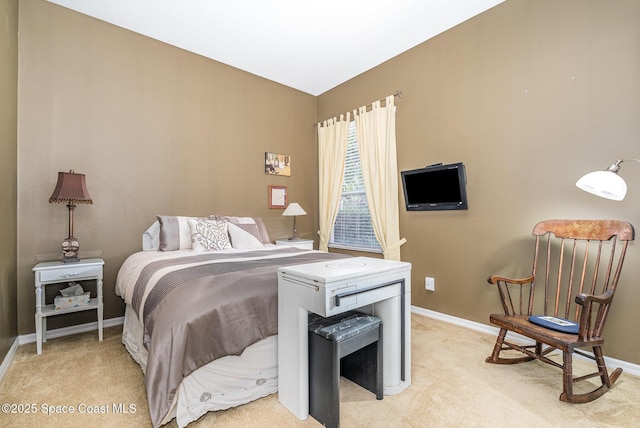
(70, 247)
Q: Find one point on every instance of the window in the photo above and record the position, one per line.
(353, 229)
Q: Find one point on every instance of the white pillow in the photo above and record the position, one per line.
(151, 237)
(209, 235)
(241, 239)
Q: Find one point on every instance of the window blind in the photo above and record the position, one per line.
(353, 228)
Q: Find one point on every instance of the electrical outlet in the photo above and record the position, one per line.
(429, 283)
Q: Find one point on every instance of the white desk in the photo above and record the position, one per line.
(380, 287)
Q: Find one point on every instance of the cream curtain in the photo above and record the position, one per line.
(376, 132)
(332, 152)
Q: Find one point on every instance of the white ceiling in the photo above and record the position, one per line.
(311, 46)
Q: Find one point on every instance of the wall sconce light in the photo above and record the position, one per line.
(71, 188)
(606, 184)
(294, 209)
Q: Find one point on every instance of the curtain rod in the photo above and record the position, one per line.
(396, 94)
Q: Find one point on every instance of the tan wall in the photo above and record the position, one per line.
(529, 95)
(8, 186)
(156, 130)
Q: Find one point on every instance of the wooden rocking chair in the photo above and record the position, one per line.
(573, 260)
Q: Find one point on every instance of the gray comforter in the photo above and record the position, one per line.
(205, 306)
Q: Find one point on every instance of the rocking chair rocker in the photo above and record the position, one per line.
(571, 263)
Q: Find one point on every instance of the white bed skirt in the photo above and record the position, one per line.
(223, 383)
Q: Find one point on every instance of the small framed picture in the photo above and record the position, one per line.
(277, 164)
(277, 197)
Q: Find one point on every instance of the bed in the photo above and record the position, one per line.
(201, 313)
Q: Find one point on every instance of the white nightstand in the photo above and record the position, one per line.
(58, 272)
(305, 244)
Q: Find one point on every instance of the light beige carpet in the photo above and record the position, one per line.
(452, 386)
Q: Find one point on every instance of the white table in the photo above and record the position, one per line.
(305, 244)
(379, 287)
(56, 272)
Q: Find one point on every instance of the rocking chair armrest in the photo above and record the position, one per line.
(587, 330)
(494, 279)
(585, 299)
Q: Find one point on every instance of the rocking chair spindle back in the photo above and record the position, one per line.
(573, 260)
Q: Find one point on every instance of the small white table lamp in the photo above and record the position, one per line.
(294, 209)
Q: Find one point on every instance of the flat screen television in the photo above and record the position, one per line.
(435, 187)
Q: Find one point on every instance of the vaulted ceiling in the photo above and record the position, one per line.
(311, 46)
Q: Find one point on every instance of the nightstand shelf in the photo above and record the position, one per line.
(48, 310)
(57, 272)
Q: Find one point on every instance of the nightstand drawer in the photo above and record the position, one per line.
(69, 273)
(303, 244)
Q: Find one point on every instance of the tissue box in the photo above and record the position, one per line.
(62, 302)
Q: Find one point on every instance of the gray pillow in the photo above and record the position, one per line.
(253, 225)
(175, 233)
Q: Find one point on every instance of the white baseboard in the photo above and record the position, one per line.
(52, 334)
(74, 329)
(630, 368)
(627, 367)
(8, 358)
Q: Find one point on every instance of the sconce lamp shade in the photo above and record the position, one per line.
(72, 189)
(606, 184)
(294, 209)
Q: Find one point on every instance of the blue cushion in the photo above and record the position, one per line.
(553, 323)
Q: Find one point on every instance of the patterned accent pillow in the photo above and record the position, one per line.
(241, 239)
(209, 235)
(175, 233)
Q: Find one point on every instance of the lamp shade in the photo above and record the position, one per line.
(606, 184)
(71, 188)
(294, 209)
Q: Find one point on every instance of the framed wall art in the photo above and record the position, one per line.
(277, 164)
(278, 197)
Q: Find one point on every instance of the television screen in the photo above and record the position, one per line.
(435, 187)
